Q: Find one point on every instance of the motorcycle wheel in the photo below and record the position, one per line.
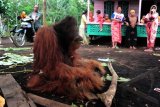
(18, 39)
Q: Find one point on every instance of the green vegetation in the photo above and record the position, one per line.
(13, 59)
(56, 9)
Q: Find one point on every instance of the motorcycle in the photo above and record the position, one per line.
(24, 34)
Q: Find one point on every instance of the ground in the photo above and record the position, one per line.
(142, 67)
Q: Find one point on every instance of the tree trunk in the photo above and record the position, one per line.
(44, 12)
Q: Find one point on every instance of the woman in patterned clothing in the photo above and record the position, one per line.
(151, 20)
(117, 19)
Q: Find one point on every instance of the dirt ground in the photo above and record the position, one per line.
(128, 63)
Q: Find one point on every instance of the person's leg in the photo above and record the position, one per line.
(116, 45)
(101, 25)
(148, 29)
(134, 43)
(131, 41)
(113, 45)
(128, 37)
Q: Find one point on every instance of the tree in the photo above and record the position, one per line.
(58, 9)
(3, 6)
(55, 9)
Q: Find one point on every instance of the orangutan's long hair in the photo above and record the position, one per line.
(57, 66)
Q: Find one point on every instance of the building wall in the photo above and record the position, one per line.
(134, 4)
(98, 5)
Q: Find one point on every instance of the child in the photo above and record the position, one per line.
(107, 18)
(91, 19)
(100, 19)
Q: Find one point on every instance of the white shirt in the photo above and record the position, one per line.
(118, 16)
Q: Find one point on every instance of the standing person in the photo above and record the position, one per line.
(36, 16)
(100, 19)
(131, 22)
(151, 20)
(82, 27)
(117, 19)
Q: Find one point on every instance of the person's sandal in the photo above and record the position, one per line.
(157, 89)
(148, 50)
(117, 47)
(134, 47)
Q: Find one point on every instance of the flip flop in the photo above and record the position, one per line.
(157, 89)
(117, 47)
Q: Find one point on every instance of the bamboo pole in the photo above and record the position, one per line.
(44, 12)
(88, 10)
(139, 13)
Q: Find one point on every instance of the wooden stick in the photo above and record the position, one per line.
(46, 102)
(108, 96)
(13, 94)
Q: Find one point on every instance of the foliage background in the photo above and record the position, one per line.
(56, 9)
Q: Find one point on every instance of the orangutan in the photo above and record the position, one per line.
(57, 66)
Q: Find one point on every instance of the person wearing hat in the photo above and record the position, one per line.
(131, 32)
(151, 20)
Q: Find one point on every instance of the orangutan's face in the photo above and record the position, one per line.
(76, 43)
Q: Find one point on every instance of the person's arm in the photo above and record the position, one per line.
(127, 21)
(38, 16)
(146, 18)
(113, 17)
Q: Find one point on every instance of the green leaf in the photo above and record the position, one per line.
(104, 64)
(14, 49)
(13, 59)
(74, 105)
(120, 79)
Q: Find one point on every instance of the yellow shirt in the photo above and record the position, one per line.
(83, 21)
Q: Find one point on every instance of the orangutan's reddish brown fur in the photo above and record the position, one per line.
(57, 66)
